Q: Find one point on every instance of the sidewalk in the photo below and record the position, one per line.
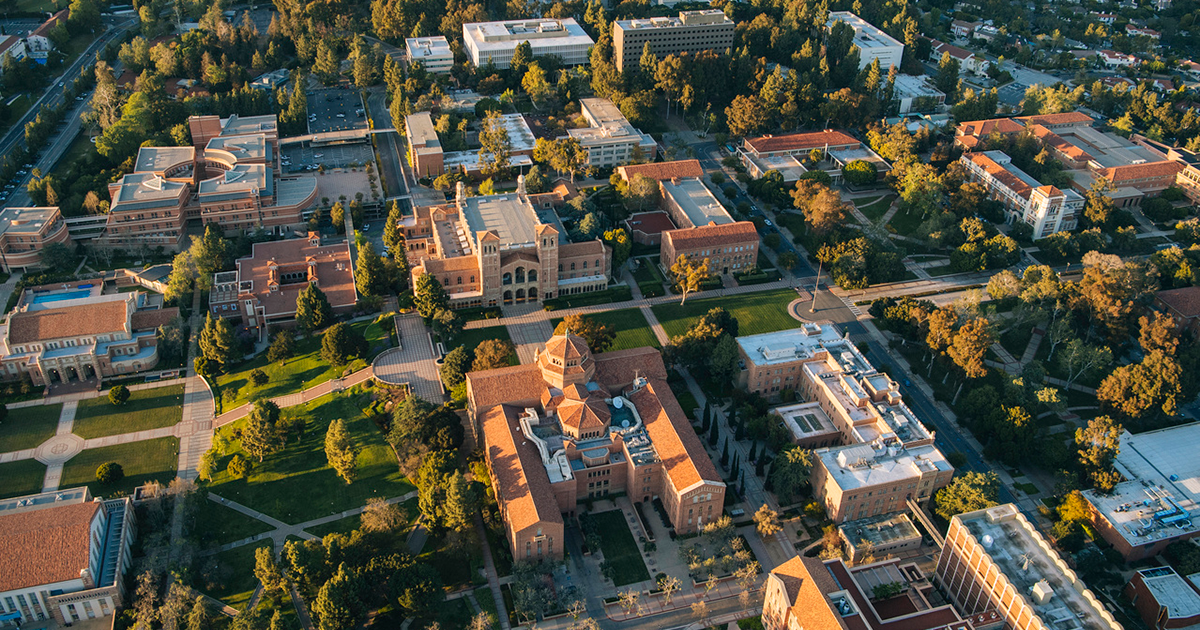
(301, 397)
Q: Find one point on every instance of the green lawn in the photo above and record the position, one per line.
(351, 523)
(296, 484)
(630, 325)
(143, 462)
(219, 525)
(756, 312)
(302, 371)
(17, 110)
(28, 427)
(619, 548)
(905, 222)
(455, 614)
(940, 270)
(145, 409)
(235, 568)
(875, 207)
(487, 602)
(475, 336)
(21, 478)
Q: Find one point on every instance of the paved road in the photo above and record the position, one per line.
(388, 145)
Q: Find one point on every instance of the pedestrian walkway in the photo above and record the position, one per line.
(1007, 362)
(301, 397)
(413, 363)
(1031, 348)
(54, 467)
(490, 568)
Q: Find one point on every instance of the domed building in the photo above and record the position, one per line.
(574, 426)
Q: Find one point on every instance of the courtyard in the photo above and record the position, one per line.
(756, 313)
(632, 330)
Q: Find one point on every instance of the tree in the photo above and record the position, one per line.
(341, 344)
(1099, 208)
(822, 206)
(258, 378)
(564, 155)
(1078, 358)
(337, 216)
(339, 451)
(689, 276)
(267, 571)
(790, 473)
(598, 336)
(461, 504)
(491, 354)
(767, 521)
(429, 296)
(58, 256)
(622, 246)
(1149, 387)
(947, 77)
(259, 436)
(200, 617)
(118, 395)
(238, 467)
(339, 604)
(746, 115)
(393, 236)
(217, 342)
(860, 173)
(535, 84)
(970, 346)
(641, 191)
(447, 324)
(724, 361)
(966, 493)
(669, 585)
(313, 311)
(495, 147)
(370, 275)
(283, 347)
(455, 366)
(382, 517)
(109, 473)
(1004, 285)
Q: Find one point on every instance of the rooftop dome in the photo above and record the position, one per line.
(566, 361)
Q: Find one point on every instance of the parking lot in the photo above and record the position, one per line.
(335, 110)
(297, 158)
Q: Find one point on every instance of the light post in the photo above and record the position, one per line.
(816, 287)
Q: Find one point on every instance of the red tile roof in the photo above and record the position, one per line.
(1185, 301)
(151, 320)
(801, 141)
(1057, 142)
(982, 128)
(84, 320)
(1063, 118)
(650, 222)
(663, 170)
(1002, 174)
(517, 385)
(1117, 175)
(682, 456)
(713, 235)
(45, 546)
(44, 29)
(526, 499)
(332, 269)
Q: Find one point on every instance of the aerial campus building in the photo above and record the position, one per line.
(495, 42)
(502, 249)
(786, 154)
(432, 52)
(74, 331)
(429, 160)
(610, 140)
(1046, 209)
(574, 426)
(65, 555)
(25, 232)
(873, 456)
(692, 32)
(871, 41)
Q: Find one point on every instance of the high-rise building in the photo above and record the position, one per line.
(495, 42)
(691, 32)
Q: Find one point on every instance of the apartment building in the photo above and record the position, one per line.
(874, 455)
(814, 594)
(1046, 209)
(264, 288)
(507, 248)
(610, 140)
(1154, 505)
(871, 41)
(704, 230)
(431, 52)
(495, 42)
(996, 560)
(25, 232)
(787, 154)
(574, 426)
(692, 32)
(65, 556)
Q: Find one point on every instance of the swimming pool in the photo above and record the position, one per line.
(59, 297)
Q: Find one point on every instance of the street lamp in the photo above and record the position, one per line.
(816, 287)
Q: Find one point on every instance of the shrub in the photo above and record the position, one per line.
(118, 395)
(238, 467)
(110, 473)
(259, 377)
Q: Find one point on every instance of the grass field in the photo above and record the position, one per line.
(27, 427)
(145, 409)
(875, 207)
(219, 525)
(905, 222)
(630, 325)
(21, 478)
(473, 337)
(143, 462)
(756, 312)
(236, 568)
(296, 484)
(619, 548)
(302, 371)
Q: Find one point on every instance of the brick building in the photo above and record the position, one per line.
(1183, 305)
(1164, 599)
(573, 426)
(25, 232)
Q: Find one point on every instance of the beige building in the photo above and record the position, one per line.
(692, 32)
(427, 158)
(1045, 209)
(24, 232)
(879, 455)
(574, 426)
(996, 560)
(495, 42)
(611, 140)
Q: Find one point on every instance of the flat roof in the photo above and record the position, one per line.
(147, 190)
(908, 86)
(785, 346)
(26, 220)
(866, 35)
(686, 19)
(1027, 560)
(863, 465)
(420, 129)
(697, 202)
(1158, 498)
(240, 179)
(470, 161)
(519, 135)
(879, 530)
(421, 48)
(244, 125)
(1171, 591)
(806, 420)
(1107, 149)
(251, 147)
(607, 124)
(162, 158)
(506, 34)
(513, 219)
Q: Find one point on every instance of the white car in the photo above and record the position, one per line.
(341, 115)
(317, 156)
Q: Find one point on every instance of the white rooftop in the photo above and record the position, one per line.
(866, 35)
(1172, 592)
(696, 201)
(26, 220)
(162, 158)
(862, 465)
(908, 86)
(789, 345)
(512, 218)
(423, 48)
(508, 33)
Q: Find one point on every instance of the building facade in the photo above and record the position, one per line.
(610, 140)
(871, 41)
(25, 232)
(704, 230)
(1164, 599)
(692, 32)
(996, 560)
(787, 154)
(575, 426)
(495, 42)
(432, 52)
(65, 557)
(502, 249)
(68, 332)
(1046, 209)
(38, 41)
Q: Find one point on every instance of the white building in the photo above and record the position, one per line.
(12, 46)
(433, 52)
(915, 94)
(871, 41)
(64, 556)
(1113, 59)
(611, 140)
(1045, 208)
(496, 41)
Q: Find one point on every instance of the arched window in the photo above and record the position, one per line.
(446, 281)
(506, 279)
(572, 266)
(520, 275)
(585, 264)
(459, 280)
(532, 275)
